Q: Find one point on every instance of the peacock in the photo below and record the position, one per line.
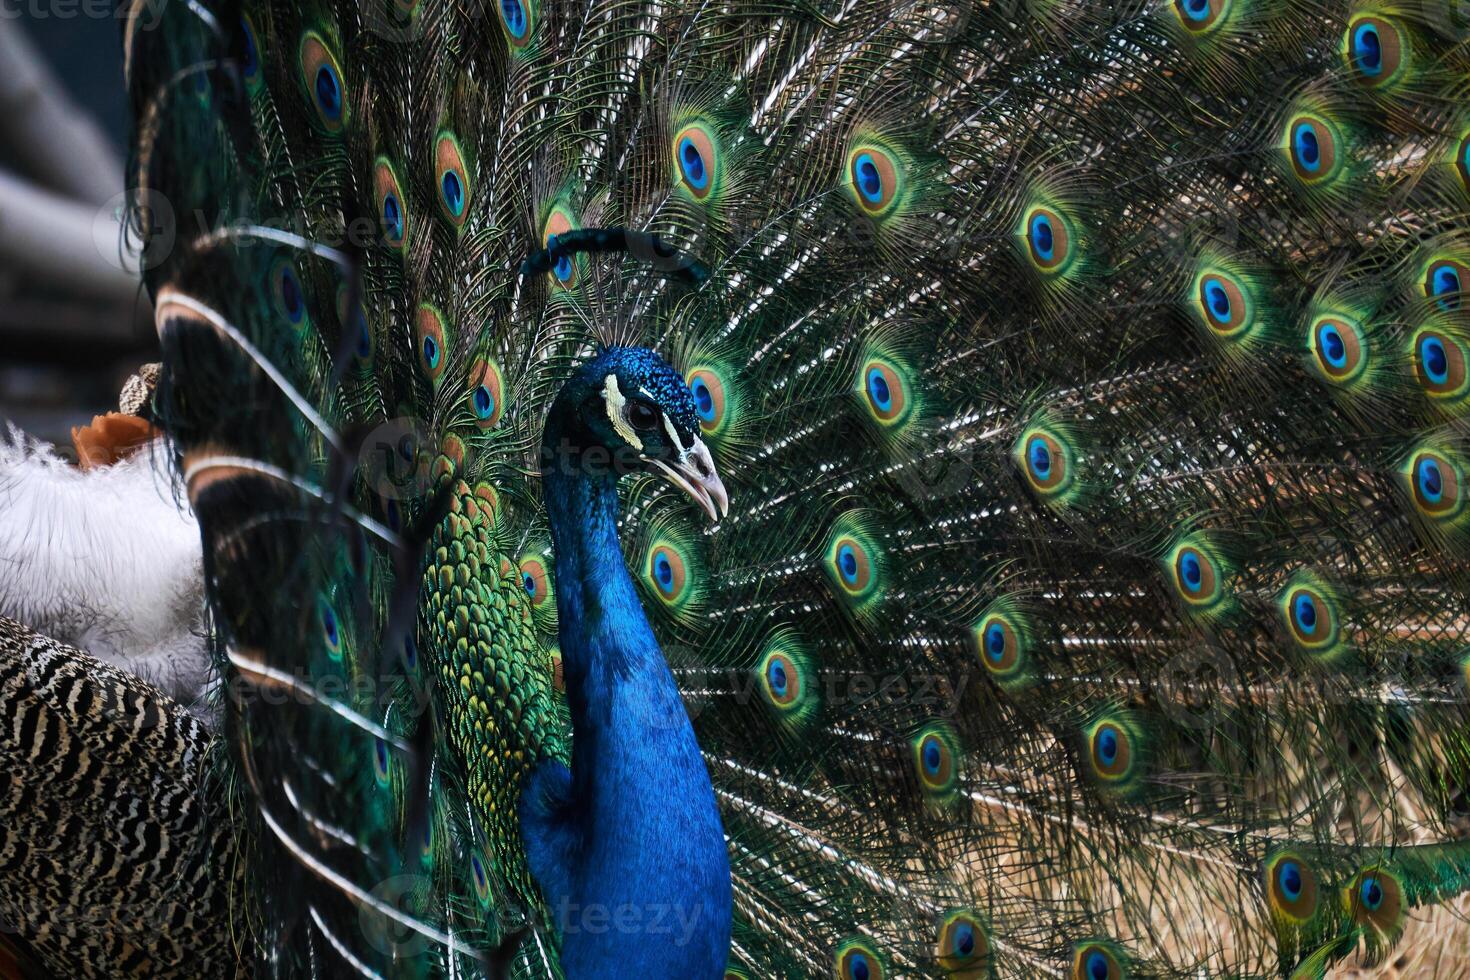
(846, 488)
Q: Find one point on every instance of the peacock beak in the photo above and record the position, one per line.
(694, 473)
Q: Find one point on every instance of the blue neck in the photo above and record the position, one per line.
(642, 828)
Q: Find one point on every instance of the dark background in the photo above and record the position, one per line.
(66, 343)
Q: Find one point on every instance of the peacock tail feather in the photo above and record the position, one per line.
(1089, 379)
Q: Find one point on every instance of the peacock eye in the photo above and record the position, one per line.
(642, 416)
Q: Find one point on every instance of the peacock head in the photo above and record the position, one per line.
(628, 410)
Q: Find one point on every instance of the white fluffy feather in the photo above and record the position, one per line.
(106, 560)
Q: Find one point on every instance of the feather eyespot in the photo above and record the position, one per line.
(331, 629)
(857, 959)
(564, 270)
(885, 391)
(1201, 16)
(667, 572)
(382, 762)
(1337, 348)
(697, 163)
(392, 214)
(1048, 240)
(1375, 898)
(1046, 462)
(1223, 304)
(936, 761)
(286, 291)
(1095, 962)
(1310, 609)
(1444, 281)
(1375, 49)
(1111, 752)
(487, 393)
(480, 879)
(323, 80)
(874, 178)
(854, 562)
(784, 673)
(250, 67)
(1435, 484)
(999, 644)
(1313, 147)
(1197, 576)
(431, 339)
(782, 680)
(963, 946)
(1291, 887)
(1439, 364)
(451, 176)
(851, 564)
(535, 581)
(518, 18)
(709, 398)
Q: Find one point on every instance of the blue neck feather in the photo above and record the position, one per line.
(627, 847)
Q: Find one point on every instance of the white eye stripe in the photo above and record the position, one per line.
(617, 407)
(674, 435)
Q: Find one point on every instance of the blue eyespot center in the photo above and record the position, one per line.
(1042, 239)
(879, 391)
(252, 56)
(478, 870)
(528, 582)
(329, 626)
(328, 92)
(1306, 613)
(291, 296)
(663, 571)
(1197, 9)
(1097, 966)
(1435, 359)
(933, 756)
(1289, 877)
(484, 402)
(453, 193)
(1308, 151)
(1039, 458)
(869, 180)
(995, 642)
(964, 939)
(380, 749)
(1189, 568)
(1330, 343)
(860, 969)
(693, 164)
(847, 564)
(704, 401)
(431, 352)
(515, 17)
(1431, 480)
(1368, 49)
(392, 215)
(1218, 300)
(1107, 746)
(776, 673)
(1446, 285)
(1371, 893)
